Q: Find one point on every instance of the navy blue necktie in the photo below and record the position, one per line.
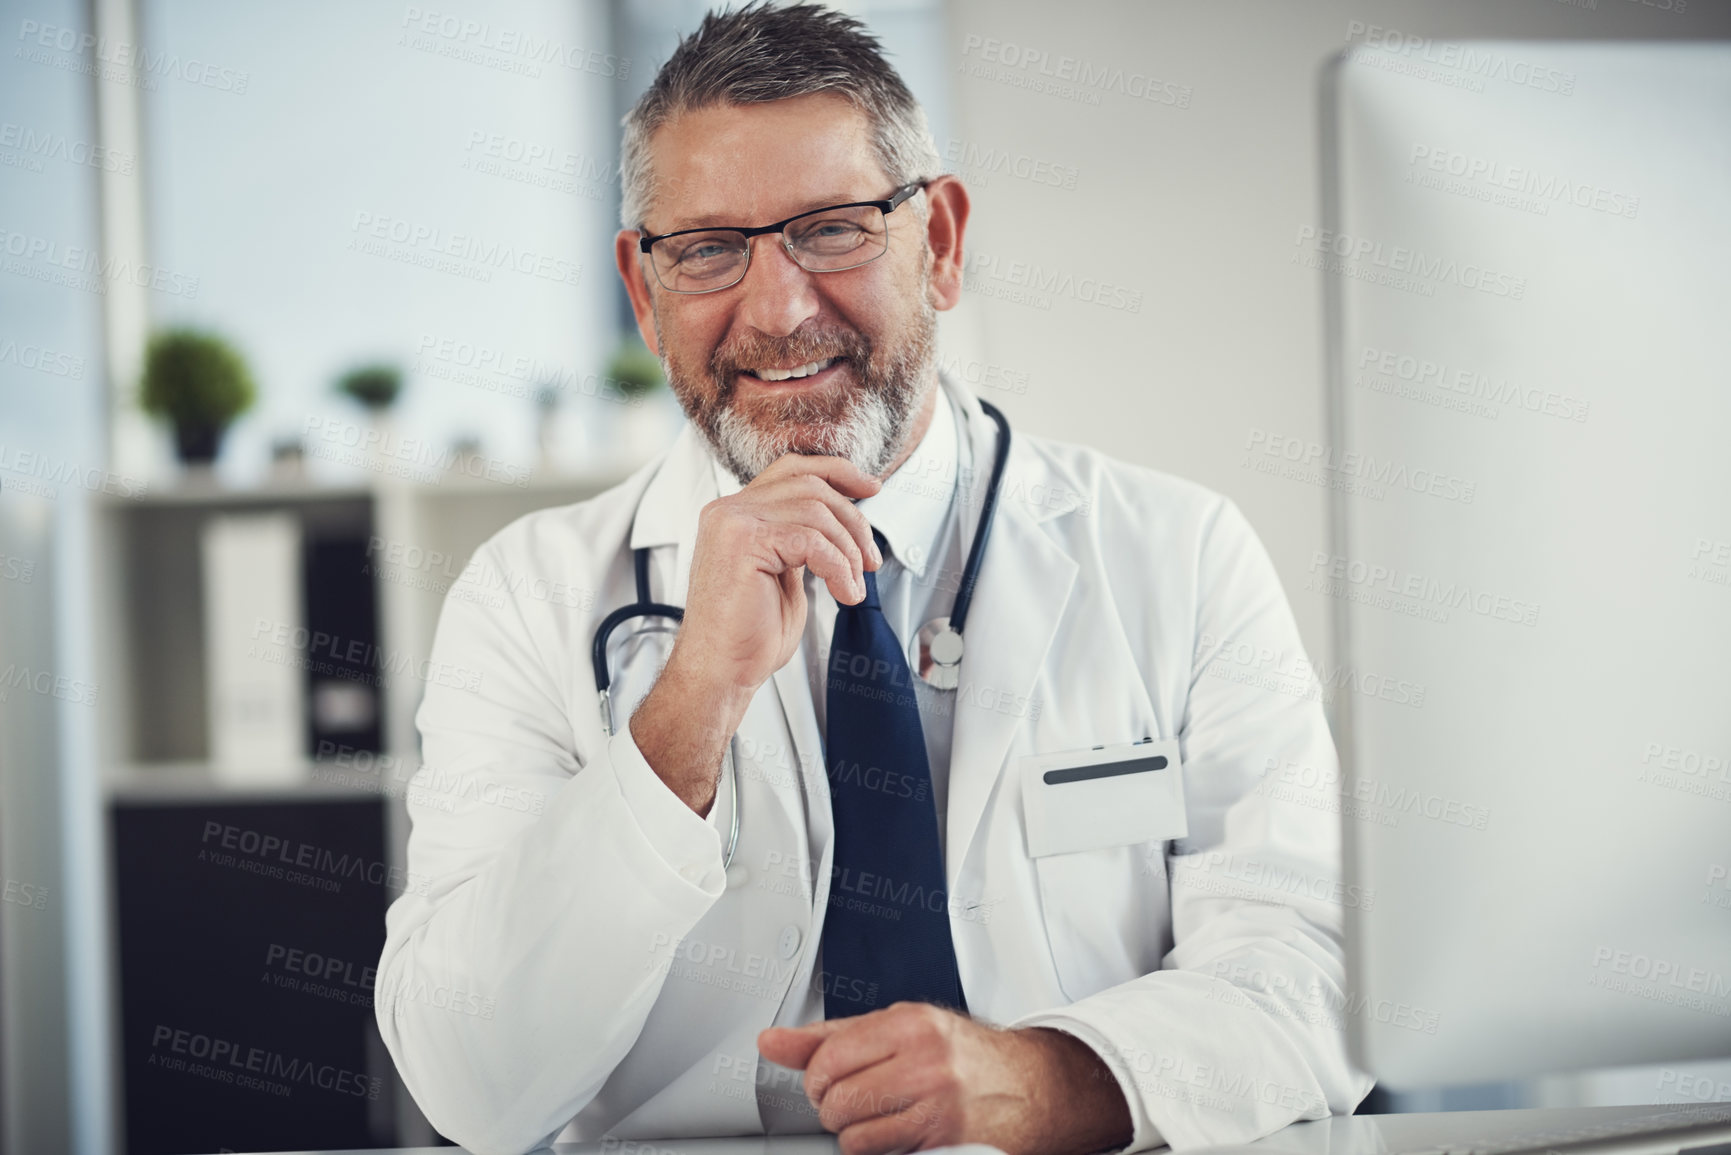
(886, 935)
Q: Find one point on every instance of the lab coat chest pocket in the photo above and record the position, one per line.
(1096, 823)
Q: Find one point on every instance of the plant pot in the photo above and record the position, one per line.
(197, 444)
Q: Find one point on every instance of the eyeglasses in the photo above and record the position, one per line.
(825, 240)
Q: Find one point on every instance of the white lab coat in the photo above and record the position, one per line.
(580, 964)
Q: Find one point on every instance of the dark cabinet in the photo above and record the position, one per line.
(248, 937)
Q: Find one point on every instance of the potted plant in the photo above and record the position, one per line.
(375, 387)
(200, 383)
(634, 370)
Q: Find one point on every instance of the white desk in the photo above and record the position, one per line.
(1340, 1135)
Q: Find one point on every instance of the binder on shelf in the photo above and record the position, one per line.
(256, 648)
(344, 685)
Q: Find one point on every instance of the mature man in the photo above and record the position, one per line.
(1043, 904)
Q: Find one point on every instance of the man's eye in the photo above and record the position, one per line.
(704, 251)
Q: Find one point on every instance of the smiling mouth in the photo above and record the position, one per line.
(794, 374)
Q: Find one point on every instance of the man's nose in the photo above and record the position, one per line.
(777, 296)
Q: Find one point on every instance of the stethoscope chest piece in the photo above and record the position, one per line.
(937, 656)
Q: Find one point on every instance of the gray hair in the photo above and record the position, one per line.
(760, 53)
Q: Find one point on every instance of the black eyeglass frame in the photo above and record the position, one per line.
(894, 201)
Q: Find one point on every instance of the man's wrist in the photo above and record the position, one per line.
(1084, 1108)
(682, 728)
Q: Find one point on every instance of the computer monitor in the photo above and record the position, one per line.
(1526, 258)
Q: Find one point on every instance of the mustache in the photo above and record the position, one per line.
(797, 348)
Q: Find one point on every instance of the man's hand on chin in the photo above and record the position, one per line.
(914, 1076)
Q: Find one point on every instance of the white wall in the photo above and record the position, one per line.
(1193, 200)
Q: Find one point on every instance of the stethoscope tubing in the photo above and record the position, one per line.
(988, 507)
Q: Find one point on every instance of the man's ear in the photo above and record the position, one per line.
(629, 258)
(945, 222)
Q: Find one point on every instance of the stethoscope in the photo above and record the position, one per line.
(937, 648)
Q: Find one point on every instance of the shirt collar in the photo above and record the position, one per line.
(911, 508)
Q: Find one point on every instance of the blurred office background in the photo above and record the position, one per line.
(201, 806)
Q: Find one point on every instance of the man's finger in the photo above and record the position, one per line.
(792, 1047)
(875, 1037)
(881, 1089)
(799, 545)
(884, 1135)
(838, 471)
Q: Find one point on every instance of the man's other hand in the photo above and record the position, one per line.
(914, 1076)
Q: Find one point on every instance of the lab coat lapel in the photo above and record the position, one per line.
(1024, 586)
(796, 704)
(667, 515)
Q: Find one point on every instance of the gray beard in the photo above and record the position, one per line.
(870, 430)
(869, 434)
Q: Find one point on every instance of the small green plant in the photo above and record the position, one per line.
(374, 386)
(634, 368)
(200, 383)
